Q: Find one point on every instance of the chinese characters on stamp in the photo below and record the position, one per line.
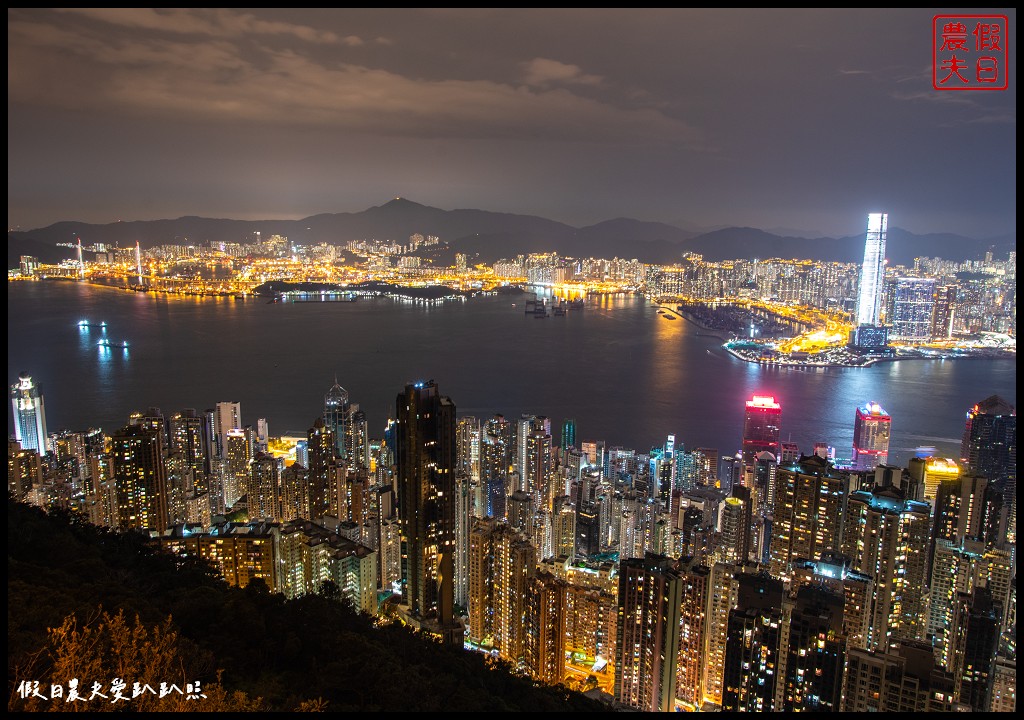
(970, 52)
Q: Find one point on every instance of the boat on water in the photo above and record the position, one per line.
(669, 317)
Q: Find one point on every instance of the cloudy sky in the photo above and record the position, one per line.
(776, 119)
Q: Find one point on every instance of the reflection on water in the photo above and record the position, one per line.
(627, 375)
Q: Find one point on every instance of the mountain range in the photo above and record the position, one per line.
(489, 236)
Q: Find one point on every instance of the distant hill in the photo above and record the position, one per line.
(489, 236)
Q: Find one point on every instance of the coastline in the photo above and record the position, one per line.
(868, 361)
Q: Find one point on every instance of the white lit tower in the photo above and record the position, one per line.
(29, 415)
(872, 273)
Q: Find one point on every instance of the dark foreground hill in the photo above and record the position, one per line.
(268, 653)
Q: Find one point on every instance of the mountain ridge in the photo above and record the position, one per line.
(490, 236)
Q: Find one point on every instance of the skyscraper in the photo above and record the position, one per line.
(336, 411)
(912, 304)
(871, 431)
(228, 416)
(761, 429)
(425, 450)
(872, 273)
(29, 415)
(989, 446)
(944, 311)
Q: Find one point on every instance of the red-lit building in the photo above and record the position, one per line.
(761, 429)
(871, 432)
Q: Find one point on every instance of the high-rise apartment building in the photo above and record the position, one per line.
(650, 597)
(696, 583)
(425, 454)
(753, 654)
(29, 414)
(544, 633)
(188, 439)
(815, 652)
(321, 450)
(227, 416)
(807, 516)
(140, 479)
(886, 538)
(872, 428)
(501, 562)
(905, 678)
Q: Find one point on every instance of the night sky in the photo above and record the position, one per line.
(787, 120)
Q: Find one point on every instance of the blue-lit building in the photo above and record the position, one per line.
(29, 414)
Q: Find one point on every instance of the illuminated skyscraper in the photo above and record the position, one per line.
(568, 434)
(989, 449)
(29, 415)
(336, 412)
(761, 429)
(872, 273)
(989, 446)
(815, 652)
(912, 304)
(871, 431)
(425, 454)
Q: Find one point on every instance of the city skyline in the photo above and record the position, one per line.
(758, 472)
(587, 115)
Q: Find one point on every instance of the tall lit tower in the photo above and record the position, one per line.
(29, 416)
(425, 449)
(872, 273)
(871, 432)
(336, 416)
(81, 263)
(138, 260)
(761, 429)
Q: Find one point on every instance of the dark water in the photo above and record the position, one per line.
(628, 376)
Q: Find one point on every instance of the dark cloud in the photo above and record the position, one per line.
(801, 119)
